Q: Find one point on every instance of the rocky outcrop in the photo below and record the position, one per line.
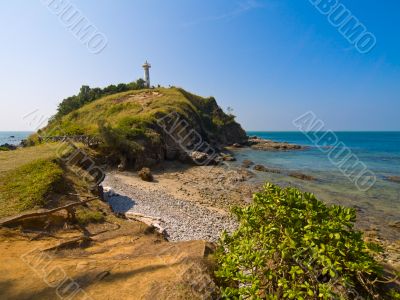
(268, 145)
(6, 147)
(393, 179)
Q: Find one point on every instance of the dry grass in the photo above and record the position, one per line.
(10, 160)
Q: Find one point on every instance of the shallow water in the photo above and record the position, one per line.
(379, 151)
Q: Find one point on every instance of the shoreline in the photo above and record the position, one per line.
(193, 202)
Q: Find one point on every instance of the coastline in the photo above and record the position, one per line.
(194, 202)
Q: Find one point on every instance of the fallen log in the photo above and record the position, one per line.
(44, 213)
(148, 220)
(134, 215)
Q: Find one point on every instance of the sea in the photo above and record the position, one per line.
(377, 203)
(13, 137)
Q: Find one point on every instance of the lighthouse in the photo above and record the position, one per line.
(146, 68)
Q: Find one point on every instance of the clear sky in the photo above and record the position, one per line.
(270, 60)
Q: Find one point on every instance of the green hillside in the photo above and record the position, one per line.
(126, 124)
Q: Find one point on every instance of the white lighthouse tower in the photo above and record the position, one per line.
(146, 68)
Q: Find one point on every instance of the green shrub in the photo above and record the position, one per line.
(119, 141)
(4, 149)
(289, 245)
(86, 216)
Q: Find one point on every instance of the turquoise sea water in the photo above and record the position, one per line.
(13, 137)
(379, 151)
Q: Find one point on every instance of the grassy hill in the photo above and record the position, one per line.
(126, 124)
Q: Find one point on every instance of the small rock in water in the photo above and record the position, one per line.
(395, 224)
(301, 176)
(247, 163)
(393, 179)
(228, 157)
(260, 168)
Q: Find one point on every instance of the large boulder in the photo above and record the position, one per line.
(146, 175)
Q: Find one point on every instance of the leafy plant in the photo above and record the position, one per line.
(289, 245)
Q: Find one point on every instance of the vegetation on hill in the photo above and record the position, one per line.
(87, 95)
(291, 246)
(126, 123)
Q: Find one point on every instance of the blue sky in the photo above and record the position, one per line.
(271, 60)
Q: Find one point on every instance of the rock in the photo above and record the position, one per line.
(395, 224)
(236, 145)
(262, 168)
(122, 164)
(301, 176)
(393, 178)
(358, 208)
(24, 143)
(6, 147)
(109, 191)
(227, 157)
(247, 163)
(199, 157)
(268, 145)
(146, 175)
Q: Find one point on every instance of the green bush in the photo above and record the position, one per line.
(289, 245)
(86, 216)
(117, 139)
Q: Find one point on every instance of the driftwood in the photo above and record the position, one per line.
(44, 213)
(148, 220)
(137, 215)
